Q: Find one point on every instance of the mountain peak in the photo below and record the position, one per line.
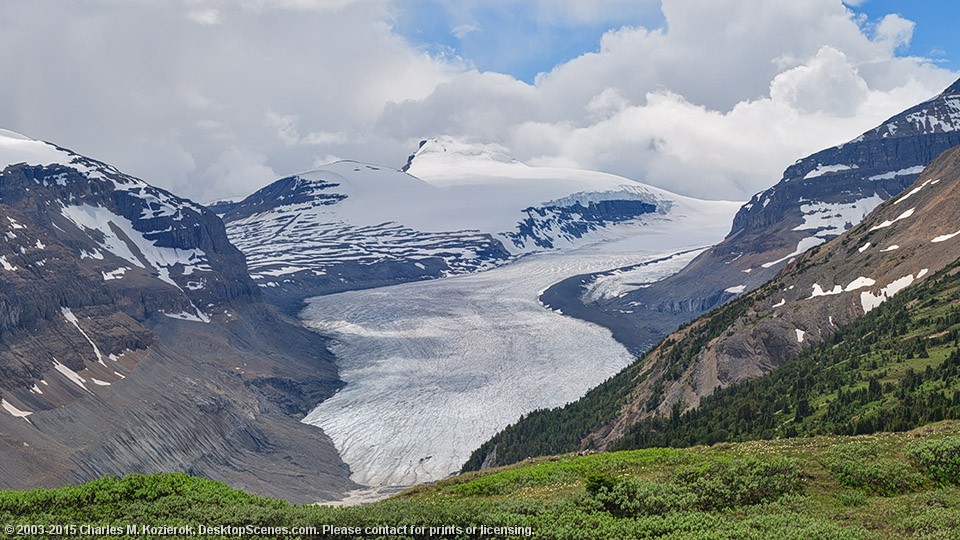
(953, 89)
(446, 152)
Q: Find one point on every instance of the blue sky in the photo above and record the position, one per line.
(518, 38)
(935, 35)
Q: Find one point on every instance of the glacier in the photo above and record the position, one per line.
(433, 369)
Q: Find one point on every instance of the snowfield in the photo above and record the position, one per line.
(459, 208)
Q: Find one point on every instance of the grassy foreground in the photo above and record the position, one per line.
(886, 485)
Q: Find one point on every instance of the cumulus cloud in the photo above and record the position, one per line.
(170, 91)
(894, 31)
(705, 109)
(827, 83)
(217, 97)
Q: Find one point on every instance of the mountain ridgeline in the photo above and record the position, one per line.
(342, 228)
(456, 208)
(811, 317)
(818, 198)
(132, 339)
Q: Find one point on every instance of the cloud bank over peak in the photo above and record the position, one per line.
(215, 98)
(714, 104)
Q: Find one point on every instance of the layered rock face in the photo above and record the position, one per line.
(114, 292)
(818, 198)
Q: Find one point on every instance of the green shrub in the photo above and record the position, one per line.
(716, 485)
(856, 468)
(852, 498)
(635, 497)
(938, 458)
(742, 481)
(597, 482)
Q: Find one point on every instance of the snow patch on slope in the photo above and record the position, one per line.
(945, 237)
(827, 169)
(197, 316)
(859, 283)
(912, 192)
(71, 375)
(831, 219)
(890, 222)
(7, 406)
(72, 319)
(802, 246)
(902, 172)
(123, 240)
(870, 301)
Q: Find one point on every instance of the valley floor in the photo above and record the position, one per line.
(433, 369)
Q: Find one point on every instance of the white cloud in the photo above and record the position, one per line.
(234, 168)
(144, 86)
(827, 83)
(707, 109)
(204, 16)
(212, 97)
(894, 31)
(461, 30)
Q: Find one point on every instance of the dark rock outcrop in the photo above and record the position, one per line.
(818, 198)
(132, 339)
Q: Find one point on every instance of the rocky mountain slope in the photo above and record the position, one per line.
(818, 198)
(904, 241)
(127, 341)
(458, 208)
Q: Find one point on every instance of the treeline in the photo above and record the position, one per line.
(894, 369)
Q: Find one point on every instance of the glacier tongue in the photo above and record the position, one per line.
(435, 368)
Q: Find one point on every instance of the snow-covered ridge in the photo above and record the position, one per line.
(122, 227)
(459, 208)
(19, 149)
(940, 114)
